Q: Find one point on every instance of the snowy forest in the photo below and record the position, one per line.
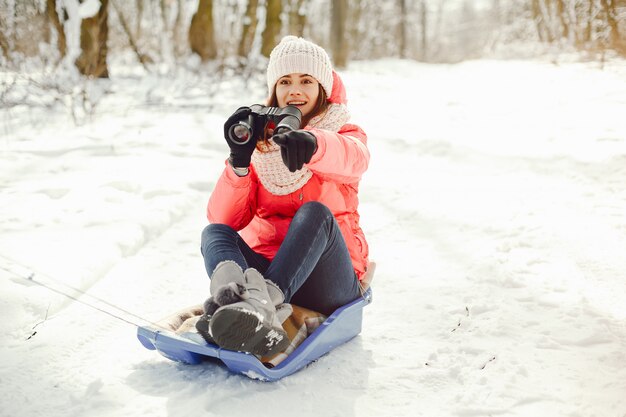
(235, 32)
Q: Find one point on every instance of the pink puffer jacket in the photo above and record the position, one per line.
(263, 218)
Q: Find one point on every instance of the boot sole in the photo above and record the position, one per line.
(202, 326)
(241, 330)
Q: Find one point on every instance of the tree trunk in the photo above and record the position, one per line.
(560, 8)
(339, 43)
(4, 44)
(4, 41)
(611, 20)
(402, 28)
(94, 33)
(178, 21)
(297, 17)
(536, 12)
(201, 36)
(139, 16)
(576, 21)
(355, 30)
(589, 26)
(249, 29)
(143, 59)
(546, 19)
(53, 16)
(164, 15)
(424, 24)
(272, 26)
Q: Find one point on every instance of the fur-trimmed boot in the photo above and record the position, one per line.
(251, 324)
(232, 293)
(283, 310)
(202, 325)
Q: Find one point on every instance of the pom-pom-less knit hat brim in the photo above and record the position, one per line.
(297, 55)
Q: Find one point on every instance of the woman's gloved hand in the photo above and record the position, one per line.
(296, 148)
(240, 155)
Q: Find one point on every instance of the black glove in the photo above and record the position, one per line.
(296, 147)
(240, 155)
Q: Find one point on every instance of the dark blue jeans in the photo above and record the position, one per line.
(312, 266)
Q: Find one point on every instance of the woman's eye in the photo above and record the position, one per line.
(284, 82)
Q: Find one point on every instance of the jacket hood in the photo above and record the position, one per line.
(338, 94)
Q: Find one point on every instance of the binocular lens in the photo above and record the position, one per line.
(240, 133)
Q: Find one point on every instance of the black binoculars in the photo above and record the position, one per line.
(285, 119)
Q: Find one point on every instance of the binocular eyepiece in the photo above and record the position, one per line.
(251, 128)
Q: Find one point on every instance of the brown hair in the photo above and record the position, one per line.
(321, 106)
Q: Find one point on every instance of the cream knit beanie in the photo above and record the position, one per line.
(297, 55)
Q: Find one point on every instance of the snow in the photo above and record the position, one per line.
(89, 9)
(495, 208)
(75, 11)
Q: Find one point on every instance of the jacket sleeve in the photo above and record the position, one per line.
(233, 200)
(341, 155)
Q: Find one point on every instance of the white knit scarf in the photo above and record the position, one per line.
(269, 166)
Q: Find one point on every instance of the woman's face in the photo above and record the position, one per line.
(300, 90)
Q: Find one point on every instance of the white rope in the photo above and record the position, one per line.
(28, 274)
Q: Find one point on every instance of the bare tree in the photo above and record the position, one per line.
(94, 32)
(402, 28)
(539, 23)
(355, 29)
(429, 30)
(338, 39)
(611, 20)
(53, 16)
(589, 25)
(424, 27)
(272, 26)
(163, 5)
(132, 39)
(249, 29)
(592, 24)
(563, 18)
(297, 17)
(4, 42)
(201, 36)
(543, 20)
(139, 17)
(178, 21)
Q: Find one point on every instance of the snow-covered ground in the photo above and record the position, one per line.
(495, 207)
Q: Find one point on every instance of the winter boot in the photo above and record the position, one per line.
(202, 325)
(283, 310)
(252, 324)
(227, 294)
(232, 293)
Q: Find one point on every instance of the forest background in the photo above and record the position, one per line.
(58, 37)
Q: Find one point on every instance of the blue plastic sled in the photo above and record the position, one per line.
(341, 326)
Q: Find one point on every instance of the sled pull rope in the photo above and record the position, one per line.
(29, 275)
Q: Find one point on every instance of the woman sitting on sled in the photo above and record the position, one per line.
(284, 213)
